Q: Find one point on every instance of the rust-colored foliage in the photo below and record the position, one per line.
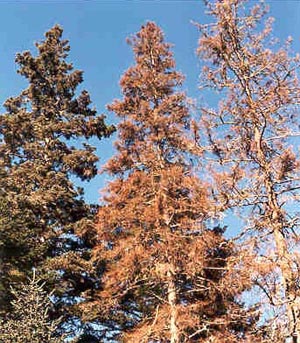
(255, 165)
(167, 278)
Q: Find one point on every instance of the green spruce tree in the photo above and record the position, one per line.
(44, 135)
(29, 321)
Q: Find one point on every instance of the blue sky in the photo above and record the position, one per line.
(97, 31)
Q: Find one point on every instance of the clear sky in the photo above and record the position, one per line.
(97, 31)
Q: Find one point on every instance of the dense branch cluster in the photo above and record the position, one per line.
(153, 263)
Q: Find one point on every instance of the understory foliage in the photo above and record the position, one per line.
(29, 320)
(166, 276)
(41, 208)
(253, 149)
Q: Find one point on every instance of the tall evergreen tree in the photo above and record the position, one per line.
(167, 278)
(252, 133)
(41, 132)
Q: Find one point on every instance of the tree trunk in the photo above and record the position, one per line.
(174, 332)
(284, 257)
(289, 286)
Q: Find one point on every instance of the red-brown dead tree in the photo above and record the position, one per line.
(166, 276)
(253, 146)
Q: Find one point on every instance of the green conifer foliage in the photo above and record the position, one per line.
(29, 321)
(44, 142)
